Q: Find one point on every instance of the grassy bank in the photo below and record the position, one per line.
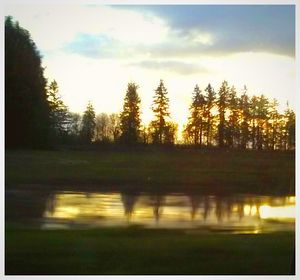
(139, 251)
(215, 170)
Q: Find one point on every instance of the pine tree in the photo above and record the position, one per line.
(210, 98)
(222, 106)
(161, 112)
(130, 116)
(59, 115)
(245, 119)
(233, 119)
(290, 128)
(273, 125)
(26, 107)
(254, 120)
(195, 124)
(88, 124)
(262, 118)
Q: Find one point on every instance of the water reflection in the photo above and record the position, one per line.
(128, 201)
(156, 202)
(237, 213)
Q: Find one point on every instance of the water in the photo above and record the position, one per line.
(193, 212)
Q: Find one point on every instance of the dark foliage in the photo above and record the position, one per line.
(232, 121)
(130, 116)
(88, 124)
(26, 107)
(163, 131)
(59, 115)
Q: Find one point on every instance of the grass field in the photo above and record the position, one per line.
(214, 170)
(140, 251)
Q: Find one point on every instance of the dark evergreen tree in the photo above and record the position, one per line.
(262, 118)
(26, 107)
(282, 136)
(160, 108)
(130, 117)
(88, 124)
(290, 128)
(232, 135)
(195, 126)
(254, 116)
(222, 105)
(273, 126)
(59, 114)
(244, 119)
(210, 98)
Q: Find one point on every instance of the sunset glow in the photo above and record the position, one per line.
(94, 51)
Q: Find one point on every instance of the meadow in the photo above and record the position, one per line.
(136, 250)
(117, 251)
(215, 171)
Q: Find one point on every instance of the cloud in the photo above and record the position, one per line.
(104, 45)
(194, 31)
(235, 28)
(220, 46)
(172, 66)
(54, 26)
(92, 46)
(159, 31)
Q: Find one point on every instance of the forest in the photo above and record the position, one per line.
(81, 189)
(37, 117)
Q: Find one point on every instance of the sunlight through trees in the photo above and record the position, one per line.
(36, 116)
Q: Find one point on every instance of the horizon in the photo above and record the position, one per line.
(93, 57)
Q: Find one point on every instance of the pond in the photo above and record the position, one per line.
(199, 213)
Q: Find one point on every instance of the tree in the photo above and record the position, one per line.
(59, 115)
(232, 131)
(259, 118)
(245, 119)
(253, 116)
(88, 124)
(210, 98)
(74, 127)
(222, 105)
(130, 116)
(262, 118)
(171, 133)
(26, 107)
(145, 134)
(107, 127)
(290, 128)
(160, 108)
(102, 132)
(273, 125)
(195, 124)
(114, 127)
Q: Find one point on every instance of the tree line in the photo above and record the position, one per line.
(36, 116)
(221, 119)
(225, 119)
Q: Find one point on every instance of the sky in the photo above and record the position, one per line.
(94, 51)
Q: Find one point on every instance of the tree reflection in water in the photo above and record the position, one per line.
(157, 203)
(172, 210)
(206, 207)
(129, 200)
